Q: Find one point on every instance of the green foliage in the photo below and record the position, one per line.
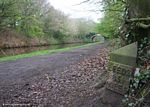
(9, 14)
(139, 90)
(107, 27)
(113, 17)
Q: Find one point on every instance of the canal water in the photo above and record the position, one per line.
(16, 51)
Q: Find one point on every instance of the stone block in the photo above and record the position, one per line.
(121, 75)
(126, 55)
(121, 64)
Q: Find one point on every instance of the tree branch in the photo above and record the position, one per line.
(106, 10)
(144, 26)
(113, 10)
(82, 2)
(137, 19)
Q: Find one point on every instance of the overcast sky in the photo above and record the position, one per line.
(77, 11)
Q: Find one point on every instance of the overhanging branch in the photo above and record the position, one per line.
(106, 10)
(144, 26)
(138, 19)
(82, 2)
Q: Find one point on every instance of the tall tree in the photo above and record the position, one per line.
(136, 26)
(9, 14)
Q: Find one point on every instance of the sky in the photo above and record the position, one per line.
(71, 8)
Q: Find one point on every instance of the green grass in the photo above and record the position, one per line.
(42, 52)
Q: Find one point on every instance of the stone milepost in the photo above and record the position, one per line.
(122, 62)
(120, 78)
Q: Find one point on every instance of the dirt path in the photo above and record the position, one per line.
(57, 80)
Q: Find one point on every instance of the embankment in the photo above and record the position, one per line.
(12, 39)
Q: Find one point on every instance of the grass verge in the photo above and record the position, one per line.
(42, 52)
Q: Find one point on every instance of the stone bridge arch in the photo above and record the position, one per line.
(98, 37)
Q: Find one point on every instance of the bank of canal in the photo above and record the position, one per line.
(17, 53)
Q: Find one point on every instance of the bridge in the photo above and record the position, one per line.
(98, 38)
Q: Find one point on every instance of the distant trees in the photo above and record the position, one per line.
(37, 18)
(113, 17)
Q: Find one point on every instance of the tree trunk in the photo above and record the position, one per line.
(136, 26)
